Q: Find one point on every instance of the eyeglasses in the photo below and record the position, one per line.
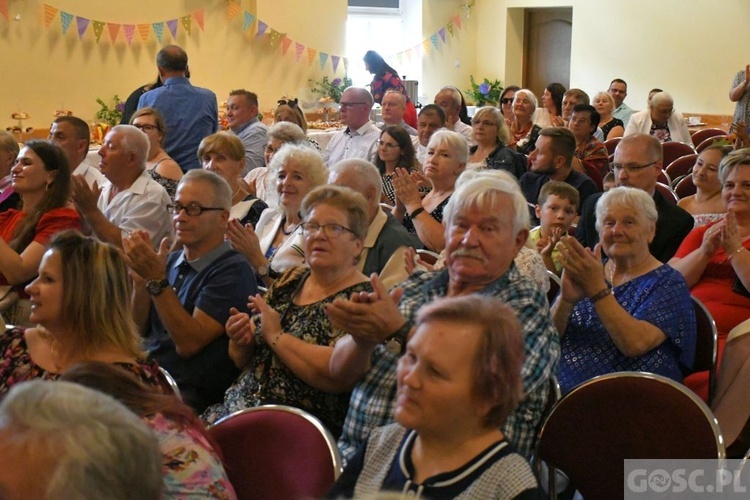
(389, 145)
(347, 105)
(631, 169)
(292, 103)
(190, 209)
(145, 127)
(330, 230)
(486, 123)
(506, 100)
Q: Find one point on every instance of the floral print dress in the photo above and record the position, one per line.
(266, 380)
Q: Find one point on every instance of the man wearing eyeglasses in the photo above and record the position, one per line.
(661, 121)
(242, 117)
(130, 199)
(638, 163)
(192, 290)
(359, 138)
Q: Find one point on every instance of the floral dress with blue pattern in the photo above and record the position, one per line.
(660, 297)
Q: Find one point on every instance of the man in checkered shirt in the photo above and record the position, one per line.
(486, 223)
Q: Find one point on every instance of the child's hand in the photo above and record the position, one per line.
(550, 242)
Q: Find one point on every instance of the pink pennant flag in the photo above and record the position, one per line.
(198, 16)
(299, 49)
(172, 25)
(442, 34)
(114, 29)
(82, 23)
(262, 27)
(129, 30)
(335, 62)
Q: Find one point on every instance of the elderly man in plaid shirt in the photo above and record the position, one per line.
(486, 223)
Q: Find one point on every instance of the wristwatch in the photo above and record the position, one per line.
(155, 287)
(396, 343)
(263, 270)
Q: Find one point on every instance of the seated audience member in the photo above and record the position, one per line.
(660, 120)
(8, 153)
(491, 137)
(387, 240)
(638, 163)
(288, 110)
(556, 210)
(486, 224)
(190, 464)
(611, 127)
(552, 161)
(451, 101)
(549, 115)
(651, 94)
(73, 326)
(618, 89)
(224, 154)
(393, 108)
(573, 98)
(41, 178)
(506, 103)
(632, 313)
(431, 119)
(62, 440)
(715, 261)
(243, 121)
(259, 181)
(523, 131)
(131, 200)
(385, 78)
(284, 358)
(191, 289)
(457, 383)
(275, 244)
(74, 137)
(359, 138)
(706, 205)
(395, 150)
(608, 182)
(447, 153)
(160, 166)
(191, 113)
(592, 154)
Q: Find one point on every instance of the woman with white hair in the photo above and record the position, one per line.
(631, 313)
(490, 135)
(447, 153)
(523, 131)
(605, 105)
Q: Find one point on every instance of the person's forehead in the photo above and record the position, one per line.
(618, 86)
(429, 116)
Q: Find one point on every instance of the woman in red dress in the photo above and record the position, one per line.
(386, 78)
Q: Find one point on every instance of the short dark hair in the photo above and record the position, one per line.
(80, 127)
(172, 58)
(593, 113)
(433, 108)
(563, 142)
(619, 80)
(251, 97)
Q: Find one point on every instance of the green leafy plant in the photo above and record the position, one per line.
(331, 88)
(485, 92)
(111, 115)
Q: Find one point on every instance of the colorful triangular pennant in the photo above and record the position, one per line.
(198, 15)
(434, 40)
(144, 30)
(158, 30)
(249, 18)
(49, 14)
(186, 24)
(449, 27)
(172, 25)
(233, 9)
(311, 55)
(323, 58)
(285, 44)
(457, 21)
(65, 19)
(442, 34)
(82, 24)
(298, 50)
(114, 29)
(129, 29)
(335, 62)
(262, 27)
(98, 29)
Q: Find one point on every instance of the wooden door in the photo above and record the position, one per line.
(547, 48)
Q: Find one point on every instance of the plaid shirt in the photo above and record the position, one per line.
(373, 400)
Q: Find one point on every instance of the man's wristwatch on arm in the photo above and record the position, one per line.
(396, 343)
(154, 287)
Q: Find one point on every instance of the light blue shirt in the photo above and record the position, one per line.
(254, 136)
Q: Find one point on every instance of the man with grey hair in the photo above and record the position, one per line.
(660, 120)
(486, 224)
(190, 113)
(186, 295)
(449, 98)
(360, 136)
(393, 108)
(387, 239)
(131, 199)
(63, 440)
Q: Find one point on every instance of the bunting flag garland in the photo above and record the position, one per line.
(298, 49)
(65, 20)
(335, 62)
(98, 29)
(49, 14)
(311, 55)
(233, 9)
(285, 44)
(262, 27)
(323, 58)
(172, 25)
(82, 24)
(434, 40)
(249, 18)
(4, 9)
(114, 29)
(426, 46)
(129, 30)
(274, 38)
(449, 26)
(442, 34)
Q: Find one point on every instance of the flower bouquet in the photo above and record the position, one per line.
(330, 88)
(485, 93)
(110, 116)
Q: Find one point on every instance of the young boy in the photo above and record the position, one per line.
(556, 209)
